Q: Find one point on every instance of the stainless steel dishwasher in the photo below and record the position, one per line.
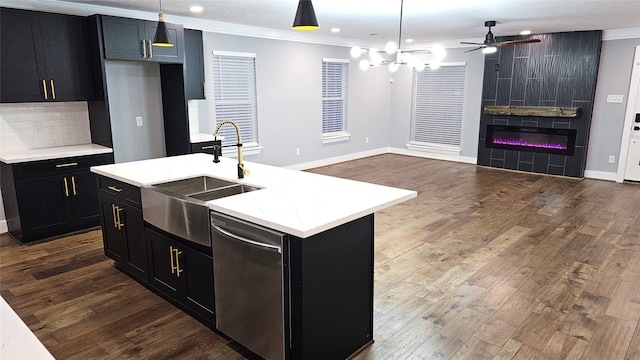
(248, 275)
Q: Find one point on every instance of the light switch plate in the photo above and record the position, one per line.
(139, 120)
(615, 98)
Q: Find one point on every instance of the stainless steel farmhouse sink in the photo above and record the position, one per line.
(179, 208)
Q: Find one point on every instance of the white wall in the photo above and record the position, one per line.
(289, 92)
(614, 77)
(134, 90)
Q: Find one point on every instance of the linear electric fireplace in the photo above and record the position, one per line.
(535, 139)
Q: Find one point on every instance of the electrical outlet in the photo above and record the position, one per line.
(139, 120)
(615, 98)
(366, 140)
(297, 151)
(612, 159)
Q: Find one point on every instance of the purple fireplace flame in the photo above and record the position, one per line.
(525, 143)
(535, 139)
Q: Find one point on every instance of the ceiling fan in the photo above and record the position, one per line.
(490, 44)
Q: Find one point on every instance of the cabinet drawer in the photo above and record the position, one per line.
(120, 189)
(34, 169)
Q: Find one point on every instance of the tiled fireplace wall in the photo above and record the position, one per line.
(560, 70)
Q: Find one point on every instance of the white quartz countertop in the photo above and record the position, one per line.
(18, 156)
(296, 202)
(18, 342)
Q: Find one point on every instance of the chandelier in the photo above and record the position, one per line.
(402, 57)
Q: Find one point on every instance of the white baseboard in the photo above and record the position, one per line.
(337, 159)
(3, 226)
(600, 175)
(380, 151)
(436, 156)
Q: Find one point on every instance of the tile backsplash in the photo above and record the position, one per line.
(40, 125)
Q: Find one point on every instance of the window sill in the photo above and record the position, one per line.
(335, 137)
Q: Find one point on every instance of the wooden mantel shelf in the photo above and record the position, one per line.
(540, 111)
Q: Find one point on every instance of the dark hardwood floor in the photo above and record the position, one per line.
(483, 264)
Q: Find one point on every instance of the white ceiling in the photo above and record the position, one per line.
(427, 21)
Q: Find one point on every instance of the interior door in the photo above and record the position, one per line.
(632, 169)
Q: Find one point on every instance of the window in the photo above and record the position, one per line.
(436, 120)
(335, 76)
(234, 82)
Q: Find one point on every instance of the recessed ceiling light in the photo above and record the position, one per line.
(196, 9)
(335, 30)
(525, 32)
(373, 34)
(409, 41)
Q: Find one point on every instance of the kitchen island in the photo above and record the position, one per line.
(326, 276)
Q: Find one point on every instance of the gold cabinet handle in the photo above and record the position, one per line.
(204, 89)
(53, 90)
(44, 87)
(66, 187)
(113, 209)
(73, 185)
(144, 48)
(207, 147)
(178, 270)
(119, 212)
(175, 262)
(67, 164)
(113, 188)
(117, 221)
(173, 269)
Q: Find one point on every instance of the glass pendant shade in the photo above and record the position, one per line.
(305, 17)
(162, 34)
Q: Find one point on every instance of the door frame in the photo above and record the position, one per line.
(629, 116)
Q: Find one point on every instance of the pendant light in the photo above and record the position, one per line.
(305, 17)
(162, 34)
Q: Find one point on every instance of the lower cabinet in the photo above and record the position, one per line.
(181, 272)
(44, 199)
(123, 234)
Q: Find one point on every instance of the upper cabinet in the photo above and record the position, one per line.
(194, 65)
(130, 39)
(45, 57)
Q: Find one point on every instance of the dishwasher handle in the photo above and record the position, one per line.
(256, 244)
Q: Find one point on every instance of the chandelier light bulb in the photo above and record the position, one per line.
(391, 47)
(393, 67)
(439, 51)
(419, 66)
(376, 59)
(435, 64)
(356, 51)
(373, 52)
(364, 64)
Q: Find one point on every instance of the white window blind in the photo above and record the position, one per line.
(438, 97)
(234, 81)
(335, 75)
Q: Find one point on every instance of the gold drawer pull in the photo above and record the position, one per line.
(114, 188)
(53, 90)
(207, 147)
(66, 165)
(44, 87)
